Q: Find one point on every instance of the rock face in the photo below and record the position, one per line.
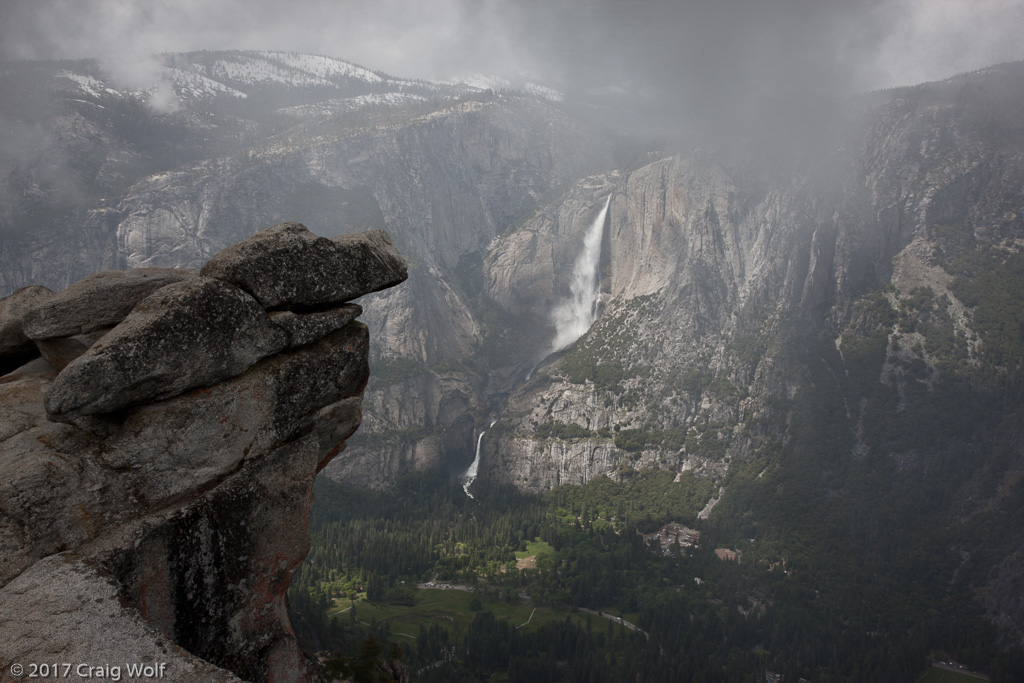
(185, 335)
(303, 328)
(161, 519)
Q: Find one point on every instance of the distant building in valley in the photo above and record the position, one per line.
(670, 535)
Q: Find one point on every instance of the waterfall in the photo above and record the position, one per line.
(574, 316)
(470, 475)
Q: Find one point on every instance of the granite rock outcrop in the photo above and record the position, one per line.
(156, 490)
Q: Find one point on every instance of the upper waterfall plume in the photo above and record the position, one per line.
(574, 316)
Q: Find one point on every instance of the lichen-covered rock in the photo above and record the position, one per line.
(100, 300)
(334, 424)
(188, 334)
(15, 345)
(305, 328)
(288, 266)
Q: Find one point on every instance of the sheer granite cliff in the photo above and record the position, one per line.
(157, 483)
(719, 279)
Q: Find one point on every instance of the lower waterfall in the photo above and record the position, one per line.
(470, 474)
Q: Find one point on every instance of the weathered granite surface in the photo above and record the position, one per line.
(155, 492)
(182, 336)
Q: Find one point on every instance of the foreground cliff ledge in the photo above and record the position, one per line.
(157, 454)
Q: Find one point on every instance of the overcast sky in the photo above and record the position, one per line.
(841, 44)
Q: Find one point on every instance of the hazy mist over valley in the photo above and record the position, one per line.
(704, 362)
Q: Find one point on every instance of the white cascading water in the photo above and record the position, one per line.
(574, 316)
(470, 475)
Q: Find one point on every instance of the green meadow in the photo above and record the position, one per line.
(454, 610)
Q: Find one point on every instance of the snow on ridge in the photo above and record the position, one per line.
(481, 82)
(186, 83)
(228, 73)
(253, 71)
(491, 82)
(407, 83)
(388, 98)
(196, 85)
(289, 68)
(90, 85)
(322, 67)
(337, 106)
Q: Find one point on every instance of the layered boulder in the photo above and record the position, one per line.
(333, 269)
(155, 490)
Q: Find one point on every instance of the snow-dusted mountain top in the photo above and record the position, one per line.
(190, 84)
(287, 68)
(323, 67)
(480, 81)
(331, 85)
(87, 84)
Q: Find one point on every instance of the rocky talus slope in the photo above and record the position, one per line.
(157, 457)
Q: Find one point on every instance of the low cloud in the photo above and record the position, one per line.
(871, 43)
(697, 63)
(926, 40)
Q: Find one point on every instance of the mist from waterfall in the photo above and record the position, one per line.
(470, 474)
(574, 316)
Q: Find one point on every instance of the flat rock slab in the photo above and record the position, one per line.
(287, 266)
(185, 335)
(100, 300)
(306, 328)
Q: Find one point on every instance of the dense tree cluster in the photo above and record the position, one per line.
(824, 590)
